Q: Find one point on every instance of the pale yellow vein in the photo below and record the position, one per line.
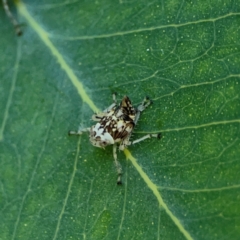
(45, 38)
(156, 192)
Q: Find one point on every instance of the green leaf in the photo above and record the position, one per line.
(73, 54)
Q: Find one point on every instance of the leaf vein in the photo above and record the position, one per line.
(122, 33)
(156, 192)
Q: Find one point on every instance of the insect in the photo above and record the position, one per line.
(115, 126)
(11, 17)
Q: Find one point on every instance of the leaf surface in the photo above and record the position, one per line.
(73, 54)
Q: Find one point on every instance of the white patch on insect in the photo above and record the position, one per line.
(99, 138)
(115, 126)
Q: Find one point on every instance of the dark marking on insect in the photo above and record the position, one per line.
(115, 126)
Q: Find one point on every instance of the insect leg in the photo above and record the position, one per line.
(13, 20)
(110, 107)
(157, 135)
(114, 98)
(145, 103)
(117, 164)
(113, 104)
(79, 132)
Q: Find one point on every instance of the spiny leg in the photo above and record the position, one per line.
(112, 105)
(145, 103)
(79, 132)
(98, 116)
(114, 98)
(117, 164)
(11, 17)
(157, 135)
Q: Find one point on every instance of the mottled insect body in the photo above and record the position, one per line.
(114, 127)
